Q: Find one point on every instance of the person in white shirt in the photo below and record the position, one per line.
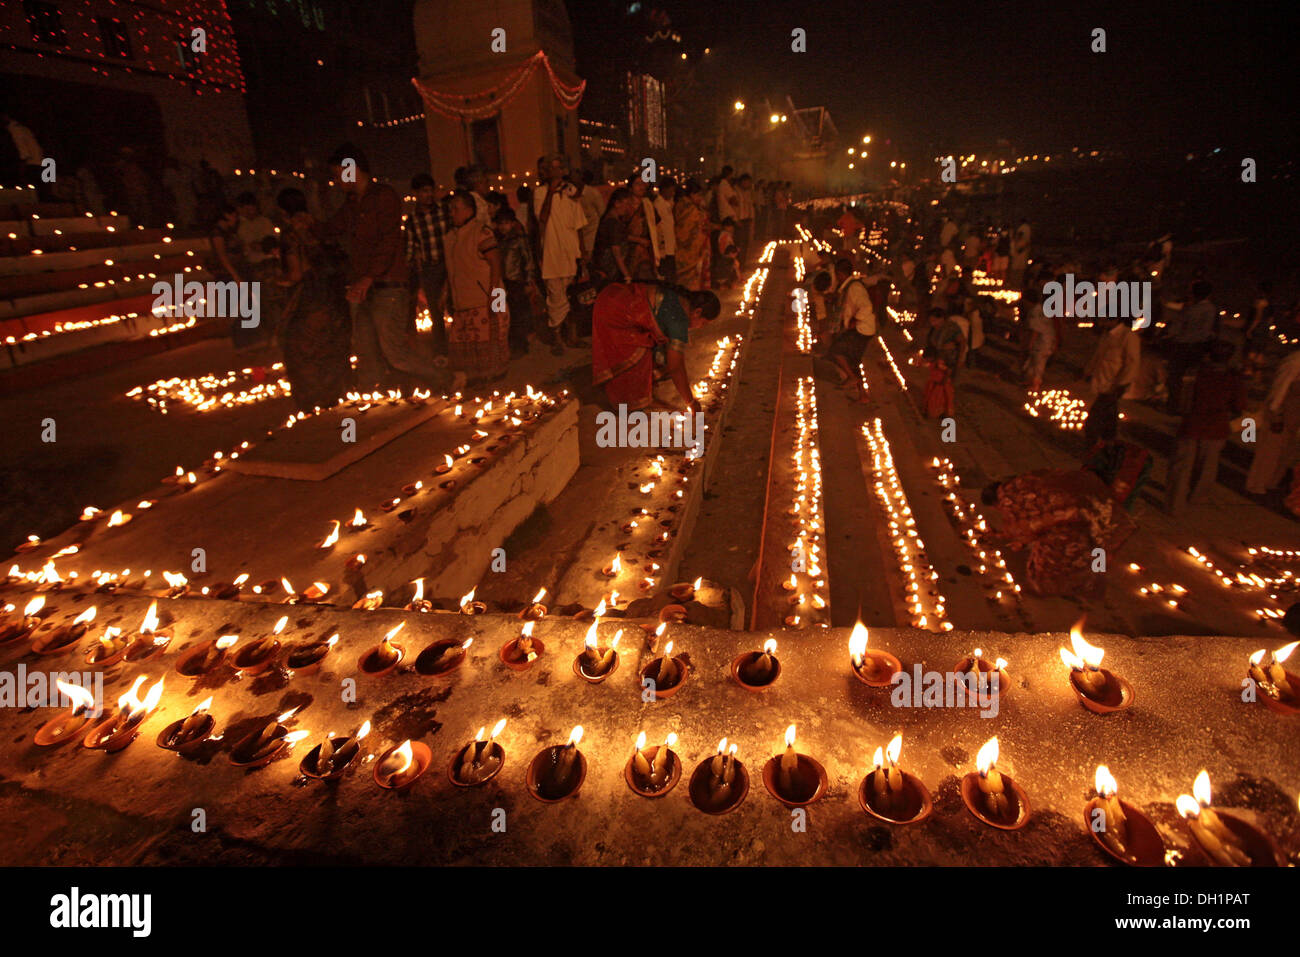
(857, 326)
(664, 200)
(744, 215)
(1278, 431)
(728, 201)
(560, 219)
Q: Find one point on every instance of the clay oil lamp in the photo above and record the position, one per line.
(390, 504)
(794, 779)
(118, 519)
(614, 568)
(756, 670)
(719, 784)
(665, 674)
(383, 657)
(990, 677)
(519, 653)
(447, 465)
(178, 585)
(89, 514)
(479, 761)
(358, 521)
(266, 744)
(255, 657)
(1281, 687)
(332, 538)
(18, 627)
(332, 757)
(653, 772)
(535, 610)
(313, 593)
(685, 591)
(354, 564)
(188, 734)
(443, 656)
(227, 591)
(207, 657)
(52, 641)
(468, 606)
(592, 664)
(1120, 829)
(370, 600)
(1098, 690)
(65, 726)
(892, 794)
(149, 642)
(874, 668)
(557, 772)
(418, 602)
(673, 614)
(306, 658)
(119, 729)
(401, 766)
(412, 489)
(109, 649)
(1225, 840)
(994, 797)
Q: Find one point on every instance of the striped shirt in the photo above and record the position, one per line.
(425, 229)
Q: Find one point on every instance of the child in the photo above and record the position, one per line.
(519, 271)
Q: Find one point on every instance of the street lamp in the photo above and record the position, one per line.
(739, 106)
(774, 118)
(866, 139)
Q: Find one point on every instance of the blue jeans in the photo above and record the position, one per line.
(381, 341)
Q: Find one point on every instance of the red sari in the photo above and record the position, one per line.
(623, 336)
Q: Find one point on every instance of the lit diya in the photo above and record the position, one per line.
(149, 641)
(1120, 829)
(64, 727)
(443, 656)
(1281, 687)
(1097, 689)
(306, 658)
(792, 778)
(666, 674)
(592, 664)
(370, 600)
(756, 670)
(333, 756)
(685, 591)
(52, 640)
(32, 542)
(207, 657)
(267, 743)
(615, 567)
(119, 729)
(227, 591)
(358, 521)
(557, 772)
(892, 794)
(875, 668)
(109, 649)
(520, 652)
(1226, 840)
(401, 766)
(535, 610)
(18, 627)
(313, 593)
(332, 538)
(186, 735)
(418, 602)
(447, 465)
(653, 772)
(255, 657)
(987, 677)
(994, 797)
(719, 784)
(383, 657)
(468, 606)
(479, 761)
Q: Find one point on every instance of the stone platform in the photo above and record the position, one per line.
(69, 805)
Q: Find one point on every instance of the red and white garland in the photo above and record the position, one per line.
(458, 105)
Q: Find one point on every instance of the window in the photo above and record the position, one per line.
(112, 33)
(46, 23)
(485, 144)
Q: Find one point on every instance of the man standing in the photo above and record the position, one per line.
(1019, 255)
(1189, 341)
(744, 216)
(1218, 395)
(664, 201)
(370, 225)
(426, 225)
(559, 220)
(725, 195)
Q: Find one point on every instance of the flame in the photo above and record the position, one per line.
(110, 636)
(1105, 782)
(419, 590)
(481, 731)
(600, 609)
(81, 699)
(468, 597)
(894, 748)
(90, 512)
(878, 759)
(203, 706)
(293, 737)
(789, 737)
(722, 746)
(150, 623)
(175, 579)
(1258, 656)
(616, 565)
(332, 537)
(450, 461)
(288, 714)
(575, 736)
(640, 741)
(1187, 806)
(794, 582)
(1090, 655)
(617, 635)
(527, 630)
(987, 759)
(769, 646)
(117, 518)
(540, 596)
(226, 641)
(358, 519)
(363, 730)
(697, 583)
(288, 586)
(1201, 789)
(279, 625)
(389, 637)
(497, 729)
(590, 640)
(33, 606)
(1283, 653)
(671, 739)
(858, 643)
(240, 580)
(468, 642)
(86, 617)
(668, 650)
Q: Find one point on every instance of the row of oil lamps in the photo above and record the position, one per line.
(973, 527)
(1249, 579)
(213, 390)
(807, 585)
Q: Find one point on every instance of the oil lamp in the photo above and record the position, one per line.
(719, 784)
(479, 761)
(1281, 687)
(109, 649)
(990, 677)
(1120, 829)
(370, 600)
(792, 778)
(306, 658)
(332, 538)
(592, 664)
(992, 796)
(520, 652)
(468, 606)
(53, 640)
(358, 521)
(332, 757)
(227, 591)
(557, 772)
(443, 656)
(1226, 840)
(653, 772)
(207, 657)
(756, 670)
(1097, 689)
(65, 726)
(613, 569)
(186, 735)
(685, 591)
(118, 730)
(256, 657)
(892, 794)
(666, 674)
(17, 628)
(418, 602)
(535, 610)
(383, 657)
(267, 743)
(874, 668)
(149, 642)
(446, 466)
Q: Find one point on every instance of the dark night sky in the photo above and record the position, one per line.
(1177, 76)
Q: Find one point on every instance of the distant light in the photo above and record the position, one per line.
(866, 139)
(774, 118)
(739, 105)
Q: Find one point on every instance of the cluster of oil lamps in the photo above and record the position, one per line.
(889, 357)
(213, 390)
(803, 327)
(993, 288)
(902, 318)
(972, 526)
(753, 288)
(924, 602)
(1250, 580)
(806, 585)
(1061, 409)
